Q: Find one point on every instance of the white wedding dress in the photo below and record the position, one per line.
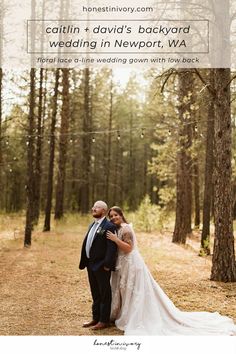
(140, 306)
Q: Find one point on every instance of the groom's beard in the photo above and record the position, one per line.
(98, 215)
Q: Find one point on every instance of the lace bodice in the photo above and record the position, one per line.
(126, 234)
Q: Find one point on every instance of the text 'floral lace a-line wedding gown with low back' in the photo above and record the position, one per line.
(140, 306)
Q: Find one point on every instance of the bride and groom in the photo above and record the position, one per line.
(124, 291)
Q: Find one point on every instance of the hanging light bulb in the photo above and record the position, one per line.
(118, 136)
(142, 134)
(93, 139)
(27, 141)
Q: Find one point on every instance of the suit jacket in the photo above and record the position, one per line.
(103, 252)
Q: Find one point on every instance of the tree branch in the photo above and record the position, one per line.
(209, 87)
(168, 75)
(234, 77)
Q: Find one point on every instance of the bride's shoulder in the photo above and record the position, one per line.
(126, 227)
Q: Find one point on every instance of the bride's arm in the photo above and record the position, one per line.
(125, 246)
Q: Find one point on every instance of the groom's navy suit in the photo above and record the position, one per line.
(102, 254)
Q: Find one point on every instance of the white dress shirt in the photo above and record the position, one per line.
(91, 234)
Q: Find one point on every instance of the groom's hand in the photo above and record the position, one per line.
(106, 269)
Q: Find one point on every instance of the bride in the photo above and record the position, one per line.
(140, 306)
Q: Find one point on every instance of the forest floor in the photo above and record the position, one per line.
(43, 292)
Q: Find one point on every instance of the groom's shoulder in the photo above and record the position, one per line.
(109, 224)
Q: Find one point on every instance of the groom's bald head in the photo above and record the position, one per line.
(101, 204)
(99, 209)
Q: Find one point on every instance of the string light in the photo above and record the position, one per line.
(95, 132)
(118, 133)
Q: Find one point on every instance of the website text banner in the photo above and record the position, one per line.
(118, 34)
(100, 344)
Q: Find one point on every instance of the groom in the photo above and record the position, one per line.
(98, 254)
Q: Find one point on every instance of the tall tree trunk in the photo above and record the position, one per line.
(1, 160)
(38, 158)
(184, 163)
(44, 104)
(86, 146)
(63, 145)
(1, 80)
(234, 182)
(74, 148)
(30, 184)
(116, 176)
(196, 193)
(131, 171)
(195, 168)
(223, 261)
(30, 163)
(121, 194)
(48, 208)
(108, 167)
(73, 204)
(64, 127)
(95, 165)
(145, 170)
(209, 163)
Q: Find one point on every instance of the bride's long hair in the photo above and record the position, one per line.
(119, 211)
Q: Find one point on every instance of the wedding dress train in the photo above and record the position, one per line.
(140, 306)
